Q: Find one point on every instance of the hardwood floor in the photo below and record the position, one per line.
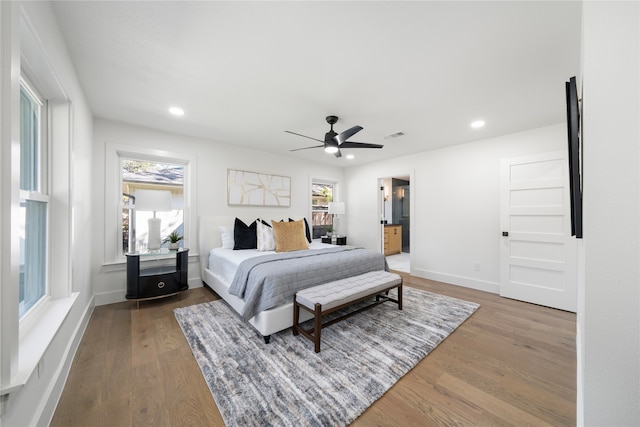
(511, 363)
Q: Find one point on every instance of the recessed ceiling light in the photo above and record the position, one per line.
(350, 156)
(176, 111)
(477, 124)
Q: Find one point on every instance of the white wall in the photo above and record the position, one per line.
(609, 297)
(34, 404)
(213, 160)
(455, 204)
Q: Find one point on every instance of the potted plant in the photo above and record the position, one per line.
(329, 231)
(173, 240)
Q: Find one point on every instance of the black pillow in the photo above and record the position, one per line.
(265, 223)
(244, 235)
(306, 229)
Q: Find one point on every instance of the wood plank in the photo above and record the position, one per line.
(149, 401)
(183, 387)
(118, 355)
(116, 412)
(495, 406)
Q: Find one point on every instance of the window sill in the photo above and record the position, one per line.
(35, 342)
(121, 264)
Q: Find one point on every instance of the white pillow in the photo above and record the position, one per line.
(266, 240)
(226, 235)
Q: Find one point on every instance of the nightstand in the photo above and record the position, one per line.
(156, 282)
(335, 240)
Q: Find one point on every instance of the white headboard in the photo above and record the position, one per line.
(209, 235)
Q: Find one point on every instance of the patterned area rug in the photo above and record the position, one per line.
(285, 383)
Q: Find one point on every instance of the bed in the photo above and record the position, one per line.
(218, 270)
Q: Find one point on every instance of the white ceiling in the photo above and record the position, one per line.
(244, 72)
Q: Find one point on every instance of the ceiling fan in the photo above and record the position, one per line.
(333, 141)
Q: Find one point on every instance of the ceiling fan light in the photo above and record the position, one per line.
(330, 149)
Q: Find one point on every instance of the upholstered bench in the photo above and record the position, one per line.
(329, 297)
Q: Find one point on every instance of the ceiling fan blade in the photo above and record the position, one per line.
(359, 145)
(343, 136)
(306, 148)
(304, 136)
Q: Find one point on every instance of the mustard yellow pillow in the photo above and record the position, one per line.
(289, 236)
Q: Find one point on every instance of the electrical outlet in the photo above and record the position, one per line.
(476, 266)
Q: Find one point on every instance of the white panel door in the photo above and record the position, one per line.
(538, 255)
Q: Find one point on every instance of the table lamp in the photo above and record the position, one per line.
(156, 201)
(336, 208)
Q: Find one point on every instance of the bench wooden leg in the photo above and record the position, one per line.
(296, 315)
(317, 327)
(400, 296)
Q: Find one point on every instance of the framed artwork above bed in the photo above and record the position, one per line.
(257, 189)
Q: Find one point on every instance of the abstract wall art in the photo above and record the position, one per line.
(257, 189)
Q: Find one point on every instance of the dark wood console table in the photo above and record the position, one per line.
(156, 282)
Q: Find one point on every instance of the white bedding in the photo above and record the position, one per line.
(225, 262)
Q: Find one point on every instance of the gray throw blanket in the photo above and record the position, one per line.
(271, 280)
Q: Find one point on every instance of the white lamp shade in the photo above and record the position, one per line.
(153, 200)
(336, 208)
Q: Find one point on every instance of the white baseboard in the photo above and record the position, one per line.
(195, 283)
(62, 373)
(467, 282)
(113, 297)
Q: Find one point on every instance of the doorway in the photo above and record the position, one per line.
(395, 214)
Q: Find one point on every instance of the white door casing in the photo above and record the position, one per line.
(538, 255)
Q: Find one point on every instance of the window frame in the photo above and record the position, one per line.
(113, 253)
(26, 340)
(43, 134)
(40, 194)
(334, 197)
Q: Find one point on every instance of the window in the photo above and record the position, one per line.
(37, 270)
(34, 200)
(130, 168)
(321, 221)
(139, 174)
